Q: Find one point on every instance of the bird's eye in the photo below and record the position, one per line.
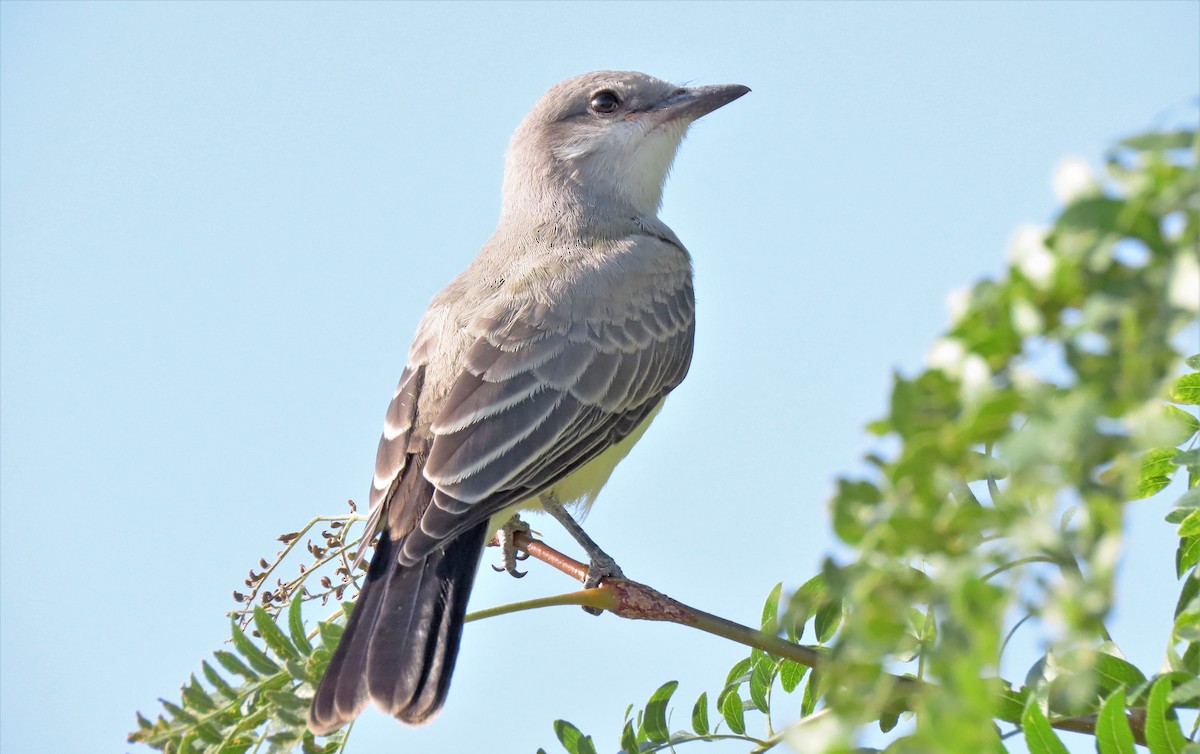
(605, 102)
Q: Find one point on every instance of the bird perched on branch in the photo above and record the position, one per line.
(530, 376)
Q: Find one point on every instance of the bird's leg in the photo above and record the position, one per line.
(509, 555)
(600, 565)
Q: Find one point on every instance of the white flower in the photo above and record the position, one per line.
(946, 354)
(970, 369)
(957, 303)
(1073, 178)
(1184, 289)
(818, 733)
(1028, 253)
(976, 377)
(1026, 319)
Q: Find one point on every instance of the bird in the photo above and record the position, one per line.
(530, 376)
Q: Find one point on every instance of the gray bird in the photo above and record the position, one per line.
(530, 376)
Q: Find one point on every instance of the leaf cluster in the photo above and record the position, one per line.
(1054, 400)
(258, 691)
(261, 700)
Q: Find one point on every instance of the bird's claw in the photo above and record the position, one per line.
(599, 569)
(509, 554)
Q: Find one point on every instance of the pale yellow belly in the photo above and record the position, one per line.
(579, 490)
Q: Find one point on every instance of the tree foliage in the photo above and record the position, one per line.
(1062, 393)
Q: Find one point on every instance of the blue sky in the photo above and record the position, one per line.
(220, 222)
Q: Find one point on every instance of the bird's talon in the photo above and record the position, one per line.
(509, 555)
(601, 569)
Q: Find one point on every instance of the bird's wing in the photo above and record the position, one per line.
(535, 402)
(398, 446)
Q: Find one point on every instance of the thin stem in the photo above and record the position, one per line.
(348, 518)
(1016, 563)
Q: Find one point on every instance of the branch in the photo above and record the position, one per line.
(630, 599)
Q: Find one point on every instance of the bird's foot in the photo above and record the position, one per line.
(600, 568)
(509, 554)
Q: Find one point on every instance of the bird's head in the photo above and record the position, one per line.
(604, 141)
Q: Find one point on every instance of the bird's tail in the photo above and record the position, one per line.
(400, 643)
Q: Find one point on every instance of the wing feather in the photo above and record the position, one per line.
(392, 455)
(541, 393)
(468, 452)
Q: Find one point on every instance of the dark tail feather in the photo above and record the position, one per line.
(402, 638)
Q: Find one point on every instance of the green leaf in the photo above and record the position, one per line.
(654, 724)
(1039, 736)
(572, 739)
(1190, 526)
(234, 664)
(1191, 586)
(1187, 422)
(1163, 735)
(1187, 389)
(888, 719)
(1159, 141)
(195, 696)
(1189, 459)
(256, 657)
(1156, 468)
(629, 743)
(330, 633)
(296, 627)
(760, 682)
(700, 715)
(286, 698)
(1188, 501)
(179, 713)
(1109, 216)
(219, 683)
(274, 636)
(1186, 693)
(739, 672)
(803, 604)
(1116, 672)
(1193, 361)
(770, 614)
(812, 692)
(829, 617)
(1011, 704)
(1187, 555)
(209, 733)
(790, 674)
(1113, 734)
(734, 713)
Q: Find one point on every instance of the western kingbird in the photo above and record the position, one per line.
(530, 376)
